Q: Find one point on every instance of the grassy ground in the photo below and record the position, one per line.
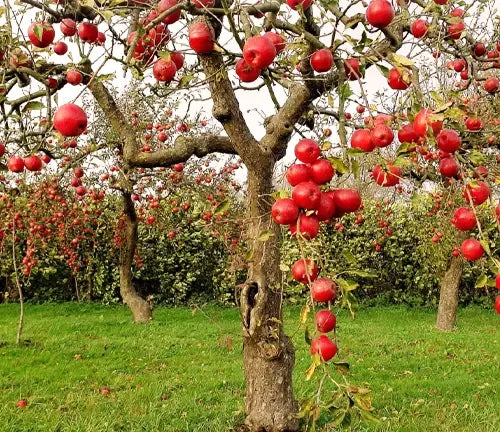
(177, 374)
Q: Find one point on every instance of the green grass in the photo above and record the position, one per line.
(177, 374)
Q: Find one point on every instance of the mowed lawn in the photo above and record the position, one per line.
(183, 372)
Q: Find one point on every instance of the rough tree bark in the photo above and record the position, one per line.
(448, 296)
(140, 308)
(268, 354)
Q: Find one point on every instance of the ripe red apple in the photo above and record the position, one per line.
(178, 167)
(23, 403)
(472, 250)
(407, 134)
(201, 37)
(307, 150)
(298, 173)
(284, 211)
(245, 72)
(177, 58)
(307, 225)
(379, 13)
(60, 48)
(41, 34)
(304, 4)
(351, 68)
(325, 321)
(15, 164)
(497, 305)
(479, 192)
(203, 3)
(449, 141)
(464, 219)
(457, 12)
(70, 120)
(346, 200)
(105, 391)
(399, 78)
(306, 195)
(456, 30)
(362, 139)
(449, 167)
(101, 38)
(78, 172)
(322, 60)
(259, 52)
(304, 270)
(74, 77)
(278, 41)
(33, 163)
(323, 290)
(479, 49)
(323, 346)
(68, 27)
(164, 70)
(423, 120)
(2, 149)
(386, 177)
(326, 207)
(88, 32)
(80, 190)
(165, 5)
(491, 85)
(382, 135)
(473, 124)
(481, 172)
(497, 282)
(419, 28)
(321, 171)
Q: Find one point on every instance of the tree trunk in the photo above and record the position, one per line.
(268, 354)
(140, 308)
(448, 297)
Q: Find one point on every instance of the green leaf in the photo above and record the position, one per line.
(330, 99)
(405, 148)
(316, 361)
(222, 207)
(362, 273)
(383, 70)
(481, 281)
(369, 417)
(402, 162)
(304, 313)
(477, 158)
(401, 60)
(355, 152)
(38, 30)
(339, 165)
(33, 106)
(307, 336)
(265, 236)
(106, 77)
(347, 284)
(355, 168)
(486, 246)
(349, 257)
(363, 401)
(107, 14)
(454, 114)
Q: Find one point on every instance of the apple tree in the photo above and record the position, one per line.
(297, 65)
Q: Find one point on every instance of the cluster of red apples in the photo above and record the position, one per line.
(303, 212)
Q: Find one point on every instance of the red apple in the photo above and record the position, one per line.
(399, 78)
(15, 164)
(245, 72)
(472, 250)
(177, 58)
(456, 30)
(165, 5)
(164, 70)
(259, 52)
(278, 41)
(386, 177)
(41, 34)
(304, 4)
(33, 163)
(298, 173)
(423, 120)
(321, 171)
(2, 149)
(379, 13)
(70, 120)
(382, 135)
(419, 28)
(351, 68)
(497, 305)
(473, 124)
(201, 37)
(491, 85)
(325, 321)
(326, 207)
(323, 346)
(362, 139)
(464, 219)
(407, 134)
(74, 77)
(306, 195)
(284, 211)
(307, 225)
(23, 403)
(449, 167)
(307, 150)
(346, 200)
(479, 192)
(479, 49)
(60, 48)
(323, 290)
(322, 60)
(88, 32)
(68, 27)
(304, 270)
